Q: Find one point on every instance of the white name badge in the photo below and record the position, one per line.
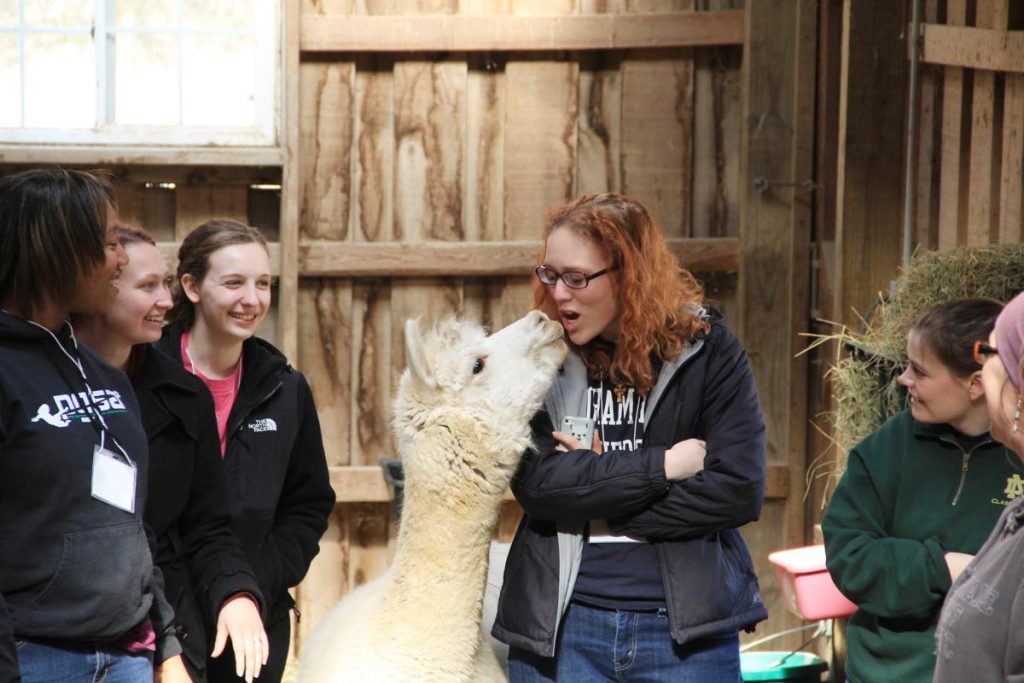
(113, 480)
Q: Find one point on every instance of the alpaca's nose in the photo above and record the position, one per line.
(538, 317)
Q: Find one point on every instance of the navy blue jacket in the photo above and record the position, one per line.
(710, 586)
(72, 568)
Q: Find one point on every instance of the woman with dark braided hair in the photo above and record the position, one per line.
(628, 562)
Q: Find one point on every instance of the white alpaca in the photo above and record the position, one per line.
(461, 421)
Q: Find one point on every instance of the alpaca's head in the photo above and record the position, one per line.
(474, 395)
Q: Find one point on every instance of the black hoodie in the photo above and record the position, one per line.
(72, 568)
(278, 489)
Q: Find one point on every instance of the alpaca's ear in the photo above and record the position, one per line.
(415, 357)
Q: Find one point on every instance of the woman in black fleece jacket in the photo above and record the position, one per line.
(278, 490)
(207, 578)
(80, 596)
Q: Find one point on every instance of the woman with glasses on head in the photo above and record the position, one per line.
(980, 636)
(918, 498)
(628, 561)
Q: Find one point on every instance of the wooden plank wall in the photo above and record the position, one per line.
(971, 135)
(416, 150)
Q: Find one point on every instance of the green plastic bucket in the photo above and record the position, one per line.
(803, 667)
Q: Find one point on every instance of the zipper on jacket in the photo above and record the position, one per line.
(964, 466)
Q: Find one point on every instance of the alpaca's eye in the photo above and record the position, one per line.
(478, 366)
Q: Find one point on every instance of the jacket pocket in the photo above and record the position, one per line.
(101, 586)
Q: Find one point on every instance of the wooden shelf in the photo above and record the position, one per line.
(973, 48)
(471, 259)
(468, 33)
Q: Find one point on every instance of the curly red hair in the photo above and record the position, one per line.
(658, 300)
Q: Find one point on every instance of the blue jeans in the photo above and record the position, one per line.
(82, 663)
(612, 645)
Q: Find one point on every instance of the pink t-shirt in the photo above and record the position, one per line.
(224, 391)
(139, 639)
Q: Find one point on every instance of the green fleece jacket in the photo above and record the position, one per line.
(910, 494)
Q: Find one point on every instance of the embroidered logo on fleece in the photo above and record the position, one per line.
(70, 407)
(265, 424)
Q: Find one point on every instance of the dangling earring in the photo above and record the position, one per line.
(1016, 417)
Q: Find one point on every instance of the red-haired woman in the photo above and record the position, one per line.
(628, 562)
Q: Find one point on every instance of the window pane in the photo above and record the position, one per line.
(146, 89)
(8, 12)
(60, 81)
(10, 103)
(220, 14)
(149, 13)
(59, 13)
(219, 81)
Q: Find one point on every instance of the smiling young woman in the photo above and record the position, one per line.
(206, 575)
(79, 596)
(920, 493)
(278, 491)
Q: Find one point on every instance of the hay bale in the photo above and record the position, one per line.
(864, 377)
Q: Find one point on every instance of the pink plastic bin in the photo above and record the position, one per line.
(807, 586)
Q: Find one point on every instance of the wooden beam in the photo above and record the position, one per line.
(117, 155)
(366, 484)
(954, 160)
(469, 259)
(291, 190)
(973, 48)
(473, 33)
(169, 250)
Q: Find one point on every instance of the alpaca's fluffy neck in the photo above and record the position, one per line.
(440, 564)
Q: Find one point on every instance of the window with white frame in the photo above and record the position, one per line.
(145, 72)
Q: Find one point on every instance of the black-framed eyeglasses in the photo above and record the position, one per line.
(573, 279)
(982, 351)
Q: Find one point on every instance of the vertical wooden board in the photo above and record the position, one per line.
(777, 143)
(657, 136)
(720, 292)
(516, 301)
(371, 373)
(485, 149)
(325, 148)
(716, 131)
(325, 309)
(600, 123)
(982, 196)
(372, 171)
(270, 328)
(1011, 175)
(540, 142)
(870, 183)
(952, 181)
(355, 549)
(430, 99)
(429, 300)
(197, 204)
(149, 207)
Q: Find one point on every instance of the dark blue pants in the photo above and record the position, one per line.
(612, 645)
(85, 663)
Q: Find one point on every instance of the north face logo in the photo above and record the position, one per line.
(265, 425)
